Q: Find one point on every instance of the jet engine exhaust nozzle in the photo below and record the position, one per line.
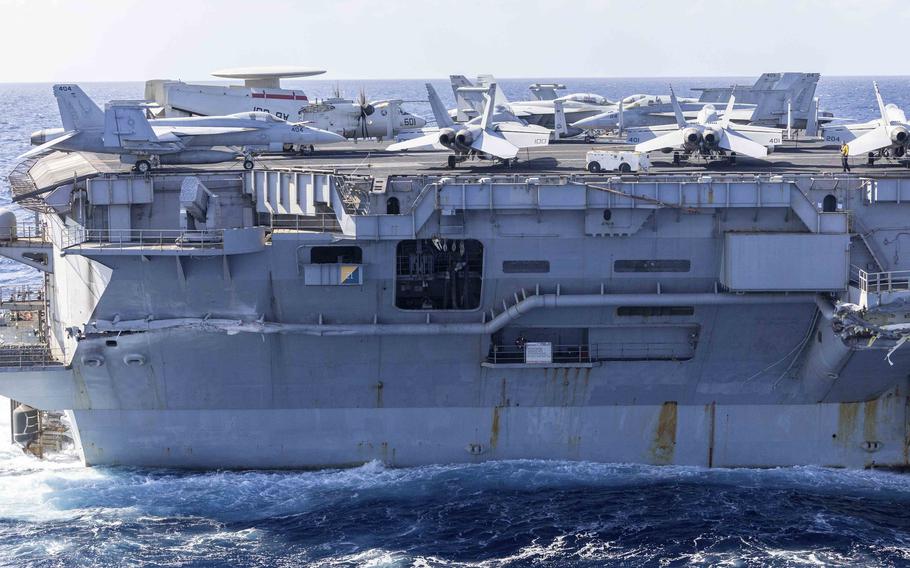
(899, 135)
(691, 136)
(464, 137)
(446, 136)
(712, 137)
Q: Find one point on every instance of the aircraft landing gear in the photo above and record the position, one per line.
(452, 162)
(248, 160)
(732, 159)
(143, 166)
(675, 158)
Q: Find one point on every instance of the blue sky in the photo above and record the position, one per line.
(109, 40)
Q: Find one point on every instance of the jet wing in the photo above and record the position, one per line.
(523, 113)
(48, 145)
(762, 135)
(841, 133)
(425, 142)
(494, 145)
(163, 131)
(735, 142)
(870, 142)
(639, 135)
(523, 135)
(670, 140)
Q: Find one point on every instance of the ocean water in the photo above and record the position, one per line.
(519, 513)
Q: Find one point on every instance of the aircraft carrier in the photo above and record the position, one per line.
(356, 305)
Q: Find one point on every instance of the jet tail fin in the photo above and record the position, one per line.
(881, 105)
(728, 112)
(545, 91)
(560, 129)
(462, 104)
(812, 119)
(77, 111)
(486, 81)
(793, 90)
(489, 107)
(443, 120)
(677, 110)
(621, 116)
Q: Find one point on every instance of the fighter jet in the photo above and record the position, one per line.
(709, 135)
(782, 100)
(777, 100)
(123, 129)
(541, 111)
(889, 135)
(495, 135)
(262, 92)
(641, 110)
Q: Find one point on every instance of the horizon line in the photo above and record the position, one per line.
(307, 79)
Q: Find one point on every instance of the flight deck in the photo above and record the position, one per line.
(370, 158)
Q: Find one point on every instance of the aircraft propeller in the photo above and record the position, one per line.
(366, 109)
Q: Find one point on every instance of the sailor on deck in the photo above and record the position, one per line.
(844, 155)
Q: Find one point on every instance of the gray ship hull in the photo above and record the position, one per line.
(215, 401)
(295, 318)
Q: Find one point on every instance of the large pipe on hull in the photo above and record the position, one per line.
(531, 303)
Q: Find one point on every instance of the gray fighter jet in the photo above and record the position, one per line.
(776, 100)
(124, 129)
(541, 111)
(889, 136)
(711, 134)
(495, 135)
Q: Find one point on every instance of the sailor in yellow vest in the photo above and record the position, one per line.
(844, 155)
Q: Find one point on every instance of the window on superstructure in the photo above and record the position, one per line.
(438, 274)
(647, 265)
(336, 255)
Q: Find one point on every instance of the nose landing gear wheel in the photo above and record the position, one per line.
(248, 164)
(143, 166)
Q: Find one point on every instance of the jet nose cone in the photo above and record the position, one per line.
(419, 121)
